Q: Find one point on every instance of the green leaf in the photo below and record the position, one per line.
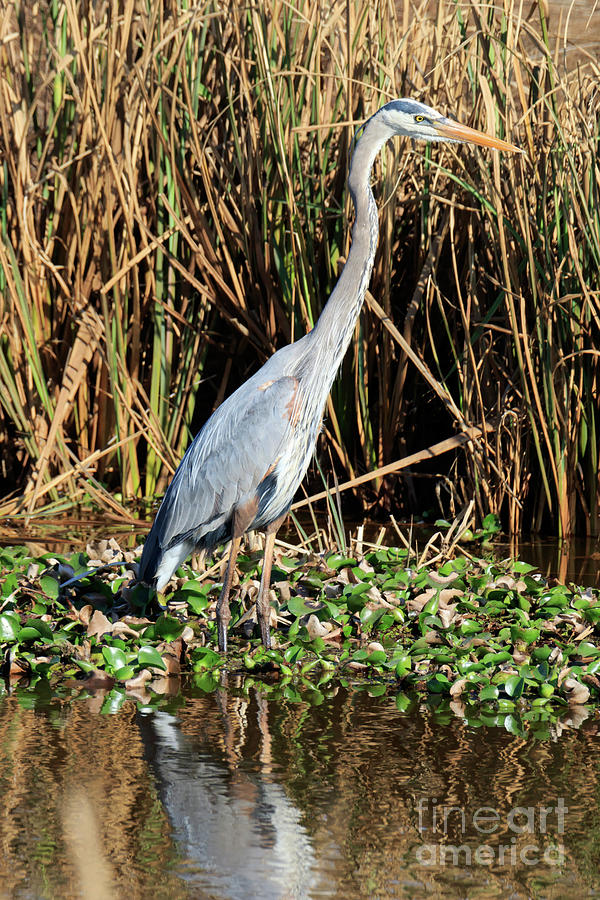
(490, 692)
(523, 568)
(300, 606)
(149, 656)
(114, 658)
(50, 586)
(10, 625)
(169, 628)
(27, 633)
(197, 603)
(513, 686)
(124, 673)
(338, 561)
(42, 628)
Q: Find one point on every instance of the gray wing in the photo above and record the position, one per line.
(223, 467)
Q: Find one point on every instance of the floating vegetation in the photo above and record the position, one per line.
(487, 638)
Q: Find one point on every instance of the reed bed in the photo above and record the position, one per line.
(173, 208)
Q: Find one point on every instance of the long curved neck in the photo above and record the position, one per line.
(335, 326)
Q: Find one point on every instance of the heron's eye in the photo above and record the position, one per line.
(419, 118)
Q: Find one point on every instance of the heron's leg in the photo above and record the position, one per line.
(223, 611)
(263, 607)
(240, 521)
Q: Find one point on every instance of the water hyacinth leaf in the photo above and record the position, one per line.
(514, 685)
(338, 561)
(114, 657)
(592, 614)
(490, 692)
(370, 617)
(377, 690)
(522, 568)
(432, 606)
(41, 627)
(587, 649)
(27, 634)
(197, 602)
(376, 657)
(9, 584)
(294, 654)
(10, 625)
(299, 606)
(205, 658)
(50, 586)
(593, 667)
(439, 683)
(525, 635)
(168, 628)
(85, 666)
(149, 656)
(124, 673)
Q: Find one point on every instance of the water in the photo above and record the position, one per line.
(238, 794)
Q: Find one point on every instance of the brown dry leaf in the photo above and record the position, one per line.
(335, 635)
(138, 680)
(447, 615)
(375, 647)
(591, 679)
(171, 652)
(123, 628)
(18, 668)
(433, 638)
(458, 687)
(85, 614)
(347, 576)
(285, 591)
(576, 691)
(135, 620)
(555, 657)
(374, 594)
(417, 603)
(316, 628)
(448, 594)
(392, 598)
(99, 625)
(443, 579)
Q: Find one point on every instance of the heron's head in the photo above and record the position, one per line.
(417, 120)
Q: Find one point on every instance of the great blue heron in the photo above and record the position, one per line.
(242, 469)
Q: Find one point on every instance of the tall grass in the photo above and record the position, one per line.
(173, 208)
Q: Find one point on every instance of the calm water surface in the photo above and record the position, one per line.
(238, 795)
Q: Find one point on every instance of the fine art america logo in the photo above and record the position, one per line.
(513, 828)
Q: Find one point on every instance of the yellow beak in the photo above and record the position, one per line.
(450, 129)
